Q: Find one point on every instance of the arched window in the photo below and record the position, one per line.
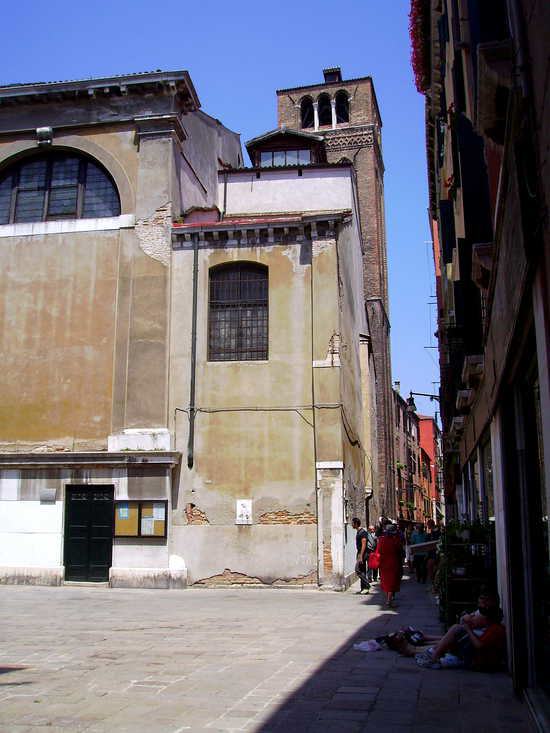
(342, 107)
(306, 112)
(325, 113)
(56, 186)
(238, 312)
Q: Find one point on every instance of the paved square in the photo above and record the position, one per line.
(108, 661)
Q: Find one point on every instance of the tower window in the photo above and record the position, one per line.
(306, 112)
(342, 107)
(56, 186)
(325, 112)
(238, 312)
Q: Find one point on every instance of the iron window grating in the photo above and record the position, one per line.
(238, 313)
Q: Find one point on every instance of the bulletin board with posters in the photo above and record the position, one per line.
(141, 518)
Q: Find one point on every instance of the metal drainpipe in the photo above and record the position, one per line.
(319, 526)
(192, 410)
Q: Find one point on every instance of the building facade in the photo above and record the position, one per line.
(430, 443)
(483, 68)
(407, 465)
(188, 362)
(92, 174)
(345, 114)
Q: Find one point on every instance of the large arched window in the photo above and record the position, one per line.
(56, 186)
(325, 112)
(342, 107)
(238, 312)
(306, 112)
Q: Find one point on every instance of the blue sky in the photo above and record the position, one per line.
(238, 53)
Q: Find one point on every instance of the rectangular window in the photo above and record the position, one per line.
(238, 313)
(304, 157)
(31, 192)
(279, 157)
(266, 159)
(292, 157)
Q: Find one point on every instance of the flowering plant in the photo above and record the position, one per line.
(419, 31)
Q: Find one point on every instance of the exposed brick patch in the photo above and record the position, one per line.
(232, 578)
(285, 517)
(309, 579)
(154, 234)
(229, 577)
(327, 558)
(195, 515)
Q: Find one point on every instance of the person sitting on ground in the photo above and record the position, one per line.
(478, 641)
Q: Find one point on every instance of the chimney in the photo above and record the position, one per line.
(332, 74)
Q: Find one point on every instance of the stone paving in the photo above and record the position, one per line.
(110, 661)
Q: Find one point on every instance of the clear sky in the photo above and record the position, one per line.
(238, 53)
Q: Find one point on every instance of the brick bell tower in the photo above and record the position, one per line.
(346, 114)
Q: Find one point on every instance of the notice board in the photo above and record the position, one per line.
(140, 518)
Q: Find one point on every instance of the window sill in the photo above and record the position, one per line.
(67, 226)
(251, 362)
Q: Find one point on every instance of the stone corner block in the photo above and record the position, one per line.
(31, 576)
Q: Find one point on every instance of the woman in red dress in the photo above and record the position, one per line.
(391, 562)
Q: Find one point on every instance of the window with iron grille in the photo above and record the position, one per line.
(238, 312)
(56, 186)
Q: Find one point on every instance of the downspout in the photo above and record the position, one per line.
(319, 524)
(222, 215)
(192, 409)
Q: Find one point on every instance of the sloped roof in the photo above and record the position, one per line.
(281, 131)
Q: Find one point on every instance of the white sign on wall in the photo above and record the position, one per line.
(243, 511)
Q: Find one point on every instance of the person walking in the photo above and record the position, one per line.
(361, 543)
(391, 562)
(434, 535)
(372, 542)
(420, 557)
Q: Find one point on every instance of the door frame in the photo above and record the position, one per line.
(89, 487)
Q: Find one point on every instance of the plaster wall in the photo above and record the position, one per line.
(129, 553)
(265, 554)
(286, 191)
(57, 296)
(263, 453)
(208, 145)
(30, 533)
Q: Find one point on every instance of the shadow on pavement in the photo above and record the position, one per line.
(382, 691)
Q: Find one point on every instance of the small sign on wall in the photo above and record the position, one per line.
(48, 496)
(243, 511)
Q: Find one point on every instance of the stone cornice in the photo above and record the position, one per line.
(177, 83)
(255, 231)
(99, 458)
(152, 126)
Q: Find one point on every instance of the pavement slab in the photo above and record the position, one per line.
(102, 660)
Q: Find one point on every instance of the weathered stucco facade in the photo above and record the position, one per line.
(286, 433)
(110, 396)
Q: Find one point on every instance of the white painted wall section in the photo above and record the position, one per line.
(30, 534)
(286, 191)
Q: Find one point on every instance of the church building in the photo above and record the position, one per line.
(190, 391)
